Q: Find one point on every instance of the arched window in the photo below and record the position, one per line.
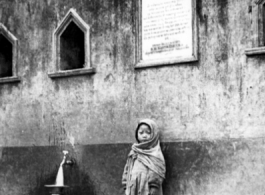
(5, 57)
(71, 47)
(8, 56)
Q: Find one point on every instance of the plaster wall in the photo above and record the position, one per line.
(219, 96)
(211, 112)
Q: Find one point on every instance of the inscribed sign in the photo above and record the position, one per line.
(166, 30)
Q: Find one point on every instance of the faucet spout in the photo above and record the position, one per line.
(65, 152)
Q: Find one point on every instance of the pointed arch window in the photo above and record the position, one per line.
(71, 47)
(8, 56)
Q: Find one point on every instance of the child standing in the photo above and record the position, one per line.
(145, 169)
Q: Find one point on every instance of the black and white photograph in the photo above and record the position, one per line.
(132, 97)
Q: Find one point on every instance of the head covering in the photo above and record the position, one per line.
(149, 153)
(154, 132)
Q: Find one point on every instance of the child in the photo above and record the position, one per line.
(145, 169)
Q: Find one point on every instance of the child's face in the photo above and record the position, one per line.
(144, 133)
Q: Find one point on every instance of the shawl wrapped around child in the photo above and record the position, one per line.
(145, 167)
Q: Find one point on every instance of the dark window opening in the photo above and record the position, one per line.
(5, 57)
(263, 24)
(72, 48)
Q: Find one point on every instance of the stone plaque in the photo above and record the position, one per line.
(166, 32)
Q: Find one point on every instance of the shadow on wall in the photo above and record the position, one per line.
(184, 161)
(192, 168)
(191, 165)
(81, 183)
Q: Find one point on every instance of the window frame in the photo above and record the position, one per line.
(14, 41)
(71, 16)
(258, 29)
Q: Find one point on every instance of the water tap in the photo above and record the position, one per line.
(67, 160)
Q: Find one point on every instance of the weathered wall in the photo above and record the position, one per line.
(218, 96)
(233, 167)
(215, 99)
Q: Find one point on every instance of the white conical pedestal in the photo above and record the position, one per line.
(58, 187)
(60, 177)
